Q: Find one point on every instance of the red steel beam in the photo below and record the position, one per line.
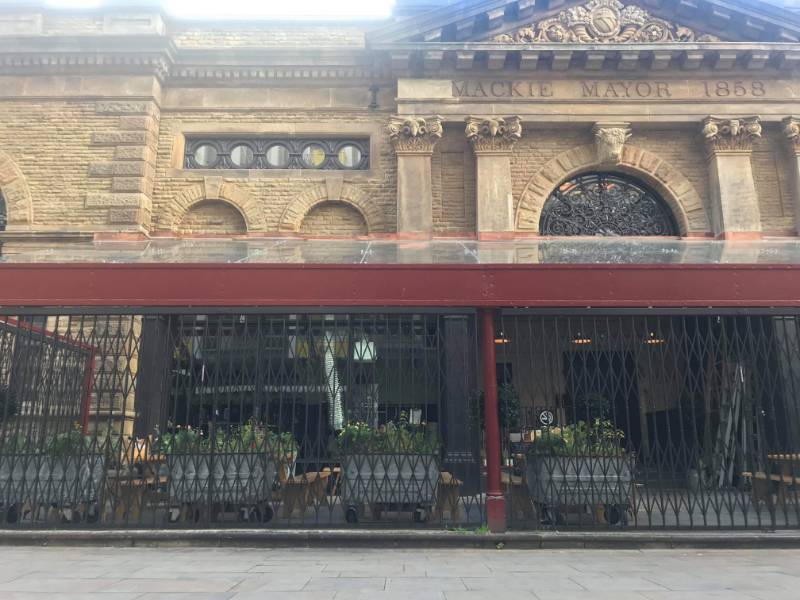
(174, 285)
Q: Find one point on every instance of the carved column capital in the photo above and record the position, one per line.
(791, 129)
(609, 140)
(414, 135)
(493, 134)
(730, 135)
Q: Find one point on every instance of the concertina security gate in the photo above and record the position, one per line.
(263, 419)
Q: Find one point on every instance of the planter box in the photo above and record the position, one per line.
(59, 480)
(576, 480)
(230, 477)
(396, 479)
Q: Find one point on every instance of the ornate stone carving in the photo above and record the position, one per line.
(731, 135)
(493, 134)
(609, 139)
(414, 134)
(603, 21)
(791, 129)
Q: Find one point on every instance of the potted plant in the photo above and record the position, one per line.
(65, 472)
(581, 464)
(236, 468)
(391, 467)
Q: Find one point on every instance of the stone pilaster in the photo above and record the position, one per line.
(791, 129)
(609, 140)
(493, 140)
(734, 203)
(413, 139)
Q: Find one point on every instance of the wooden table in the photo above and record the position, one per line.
(789, 467)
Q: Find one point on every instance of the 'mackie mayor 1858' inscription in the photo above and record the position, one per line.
(546, 89)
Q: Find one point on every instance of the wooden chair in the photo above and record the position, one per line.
(448, 494)
(301, 491)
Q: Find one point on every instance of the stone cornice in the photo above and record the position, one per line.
(730, 135)
(414, 135)
(493, 135)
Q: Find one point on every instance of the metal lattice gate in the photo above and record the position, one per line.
(621, 420)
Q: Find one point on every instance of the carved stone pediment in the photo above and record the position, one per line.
(731, 135)
(493, 134)
(414, 134)
(603, 21)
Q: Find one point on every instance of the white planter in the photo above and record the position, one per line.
(575, 480)
(230, 477)
(398, 479)
(60, 480)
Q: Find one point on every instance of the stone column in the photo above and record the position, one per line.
(734, 203)
(413, 139)
(791, 129)
(493, 139)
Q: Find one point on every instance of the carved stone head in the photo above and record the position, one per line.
(609, 141)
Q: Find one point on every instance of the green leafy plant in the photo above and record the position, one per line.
(400, 437)
(508, 407)
(183, 440)
(597, 438)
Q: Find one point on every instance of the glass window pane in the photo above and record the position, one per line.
(313, 155)
(205, 155)
(349, 156)
(242, 156)
(278, 156)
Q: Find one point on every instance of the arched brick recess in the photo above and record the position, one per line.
(215, 189)
(295, 212)
(213, 216)
(674, 188)
(19, 205)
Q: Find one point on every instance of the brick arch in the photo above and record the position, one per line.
(17, 195)
(675, 189)
(215, 189)
(299, 207)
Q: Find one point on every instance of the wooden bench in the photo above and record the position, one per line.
(521, 501)
(761, 484)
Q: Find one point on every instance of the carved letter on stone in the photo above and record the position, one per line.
(603, 21)
(493, 134)
(609, 139)
(414, 134)
(731, 135)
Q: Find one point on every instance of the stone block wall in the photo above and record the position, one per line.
(772, 177)
(333, 219)
(271, 193)
(453, 183)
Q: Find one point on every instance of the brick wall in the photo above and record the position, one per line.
(772, 176)
(453, 183)
(333, 219)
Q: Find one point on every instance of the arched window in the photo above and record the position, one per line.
(3, 214)
(605, 204)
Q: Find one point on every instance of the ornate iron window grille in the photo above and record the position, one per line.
(291, 150)
(605, 204)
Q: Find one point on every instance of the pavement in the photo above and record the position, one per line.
(191, 573)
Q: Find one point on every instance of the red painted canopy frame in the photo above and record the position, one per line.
(235, 285)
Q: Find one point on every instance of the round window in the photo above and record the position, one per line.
(205, 155)
(278, 156)
(314, 155)
(349, 156)
(242, 156)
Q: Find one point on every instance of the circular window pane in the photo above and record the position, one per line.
(349, 156)
(205, 155)
(314, 155)
(242, 156)
(278, 157)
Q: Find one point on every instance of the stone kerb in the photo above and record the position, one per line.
(14, 187)
(214, 188)
(299, 207)
(676, 190)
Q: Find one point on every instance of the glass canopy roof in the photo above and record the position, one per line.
(296, 251)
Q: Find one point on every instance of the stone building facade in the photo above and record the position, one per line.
(466, 116)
